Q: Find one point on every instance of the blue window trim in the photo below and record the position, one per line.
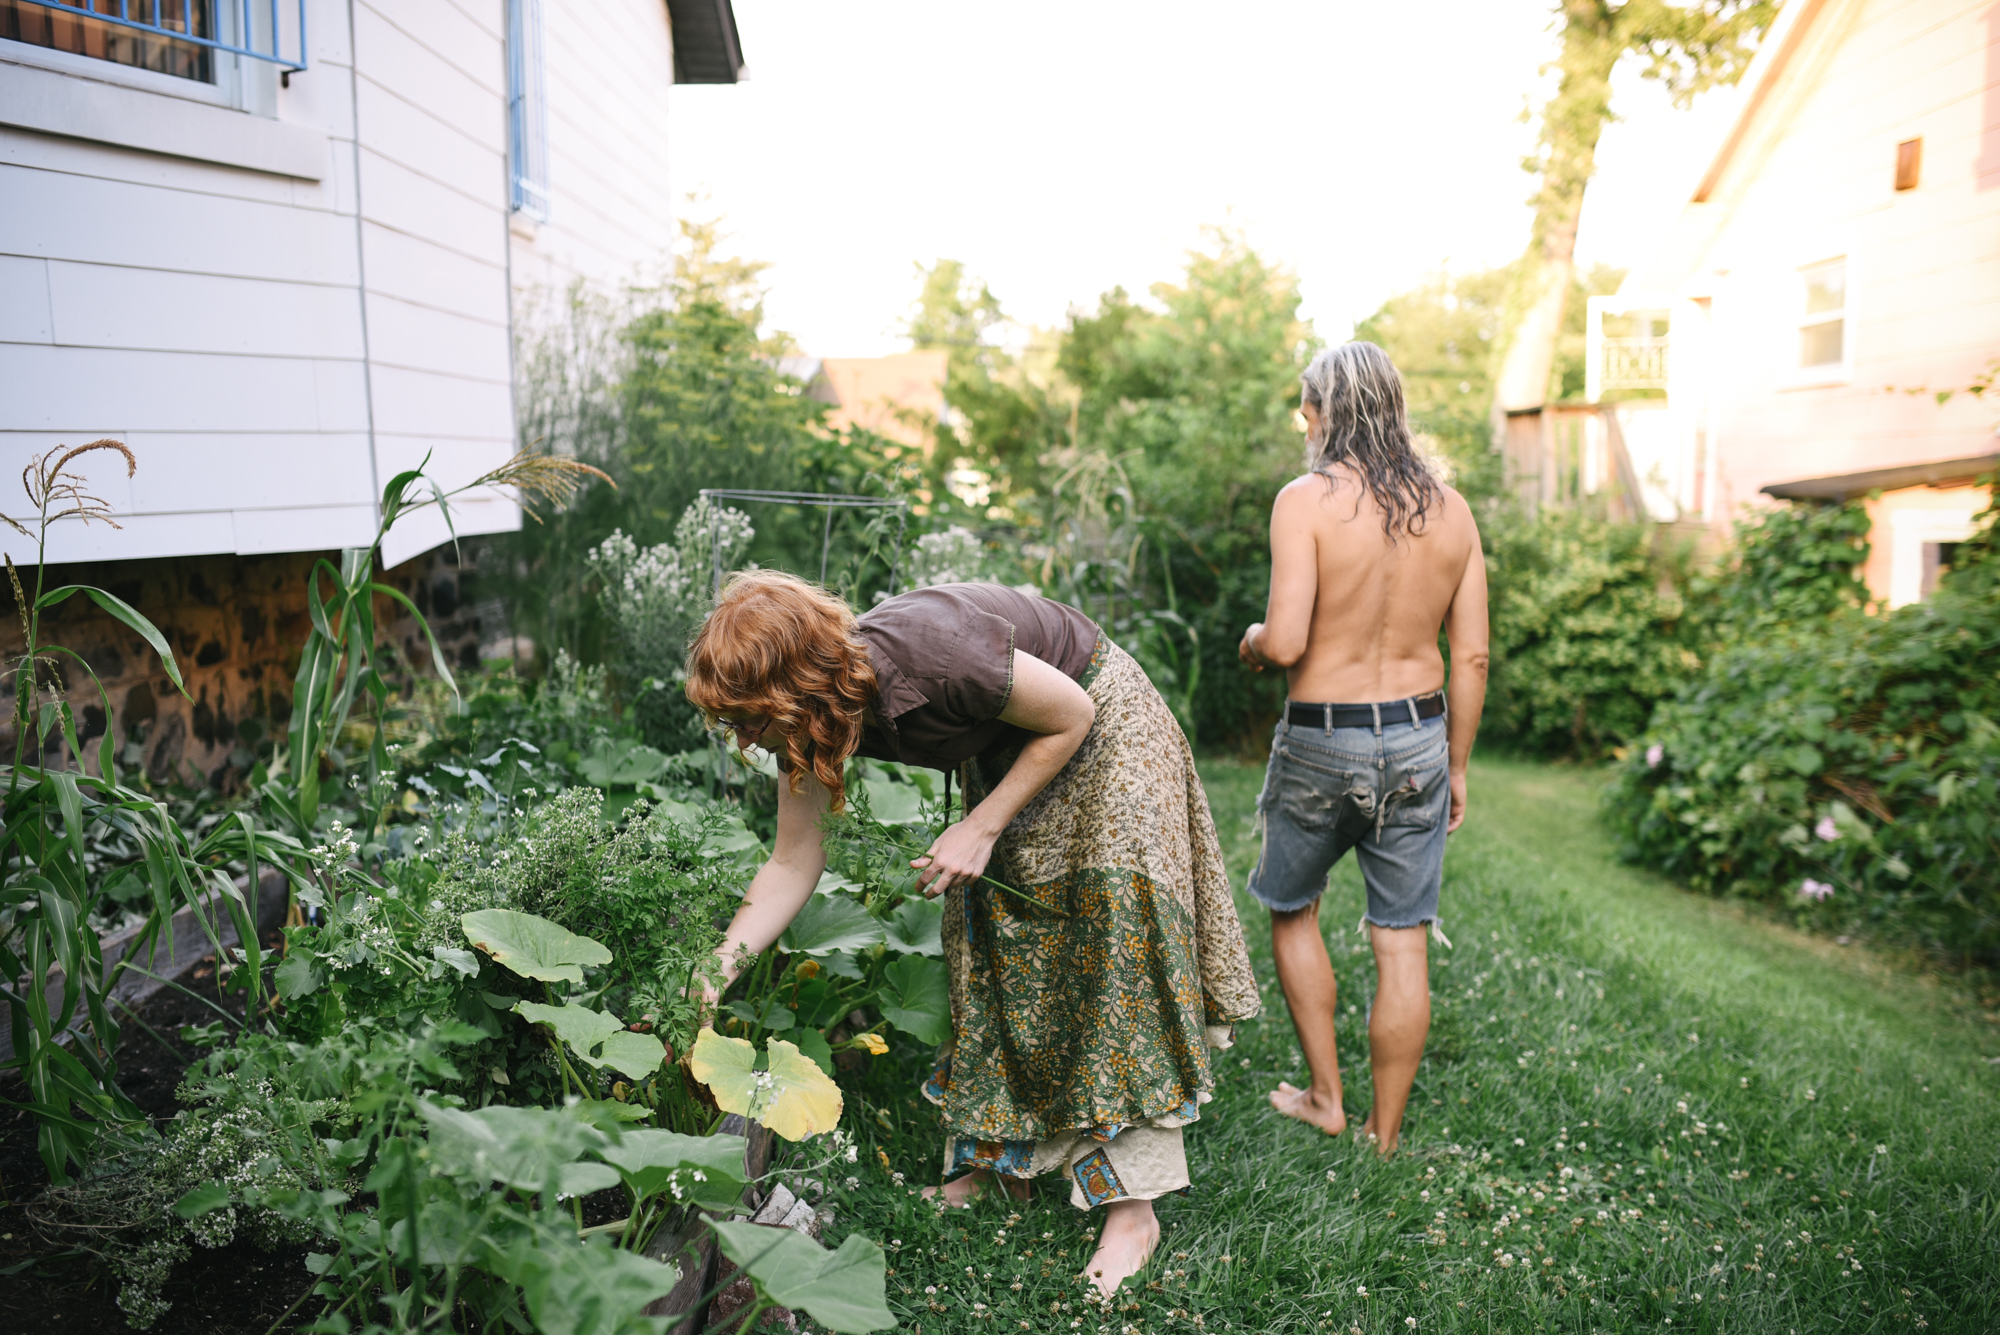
(527, 112)
(244, 9)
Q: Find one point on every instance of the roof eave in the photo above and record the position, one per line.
(1766, 67)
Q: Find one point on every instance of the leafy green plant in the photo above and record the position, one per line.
(1590, 629)
(49, 884)
(1845, 767)
(343, 657)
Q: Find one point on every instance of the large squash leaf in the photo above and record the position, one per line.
(843, 1290)
(522, 1147)
(598, 1038)
(792, 1096)
(531, 946)
(707, 1170)
(828, 923)
(917, 927)
(916, 997)
(595, 1289)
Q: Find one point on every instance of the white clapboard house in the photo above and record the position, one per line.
(1830, 290)
(279, 248)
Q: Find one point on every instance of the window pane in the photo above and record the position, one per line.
(22, 21)
(1821, 344)
(1826, 288)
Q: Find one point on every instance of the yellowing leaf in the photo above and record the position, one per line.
(793, 1097)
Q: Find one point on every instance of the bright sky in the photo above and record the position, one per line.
(1059, 149)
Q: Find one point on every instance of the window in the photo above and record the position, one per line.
(157, 47)
(183, 38)
(527, 112)
(1909, 163)
(1823, 325)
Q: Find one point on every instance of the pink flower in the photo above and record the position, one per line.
(1826, 829)
(1654, 755)
(1814, 890)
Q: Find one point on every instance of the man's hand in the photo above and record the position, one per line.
(959, 857)
(1247, 649)
(1457, 801)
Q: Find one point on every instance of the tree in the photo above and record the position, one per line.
(668, 390)
(1195, 397)
(1009, 411)
(1690, 47)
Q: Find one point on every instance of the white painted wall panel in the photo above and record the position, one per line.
(106, 306)
(24, 301)
(452, 463)
(414, 138)
(461, 84)
(205, 470)
(413, 270)
(340, 392)
(421, 403)
(423, 339)
(303, 529)
(51, 387)
(28, 148)
(61, 216)
(143, 536)
(411, 203)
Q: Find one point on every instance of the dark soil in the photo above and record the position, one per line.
(240, 1289)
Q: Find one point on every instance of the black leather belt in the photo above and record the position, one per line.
(1416, 708)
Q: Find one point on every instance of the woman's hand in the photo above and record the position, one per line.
(959, 857)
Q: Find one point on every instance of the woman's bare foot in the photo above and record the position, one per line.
(1130, 1234)
(961, 1192)
(1304, 1104)
(1367, 1133)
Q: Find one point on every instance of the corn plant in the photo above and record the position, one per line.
(342, 658)
(64, 1050)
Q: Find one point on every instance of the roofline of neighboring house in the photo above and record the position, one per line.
(1787, 34)
(706, 46)
(1846, 486)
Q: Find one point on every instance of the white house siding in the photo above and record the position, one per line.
(1812, 178)
(609, 68)
(247, 329)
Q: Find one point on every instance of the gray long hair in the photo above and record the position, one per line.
(1364, 424)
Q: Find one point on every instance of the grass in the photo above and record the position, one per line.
(1641, 1110)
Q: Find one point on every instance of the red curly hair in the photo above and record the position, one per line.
(780, 648)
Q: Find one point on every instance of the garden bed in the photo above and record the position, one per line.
(49, 1286)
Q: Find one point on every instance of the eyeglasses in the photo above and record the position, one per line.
(749, 731)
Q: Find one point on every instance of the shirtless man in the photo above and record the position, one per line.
(1370, 557)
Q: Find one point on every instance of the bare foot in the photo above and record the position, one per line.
(1326, 1114)
(961, 1192)
(1367, 1133)
(1130, 1234)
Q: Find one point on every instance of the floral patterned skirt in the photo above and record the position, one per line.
(1094, 1010)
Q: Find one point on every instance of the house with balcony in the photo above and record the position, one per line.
(1828, 301)
(281, 250)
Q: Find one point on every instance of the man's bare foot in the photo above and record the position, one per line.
(961, 1192)
(1367, 1133)
(1326, 1114)
(1130, 1233)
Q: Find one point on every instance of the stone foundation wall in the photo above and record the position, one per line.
(236, 625)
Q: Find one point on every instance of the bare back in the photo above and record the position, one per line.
(1354, 615)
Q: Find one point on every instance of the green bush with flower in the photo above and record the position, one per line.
(1843, 764)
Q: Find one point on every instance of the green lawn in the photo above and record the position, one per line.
(1641, 1110)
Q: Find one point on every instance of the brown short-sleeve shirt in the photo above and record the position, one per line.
(944, 667)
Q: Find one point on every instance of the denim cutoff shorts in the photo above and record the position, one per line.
(1381, 792)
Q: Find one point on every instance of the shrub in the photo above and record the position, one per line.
(1845, 766)
(1589, 631)
(655, 598)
